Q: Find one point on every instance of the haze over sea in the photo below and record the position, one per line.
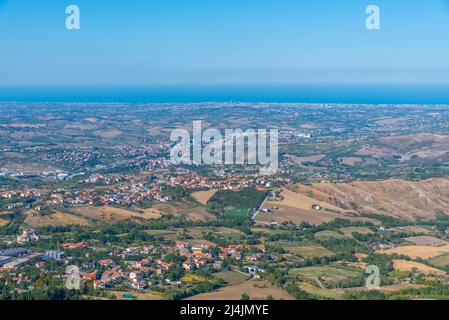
(373, 94)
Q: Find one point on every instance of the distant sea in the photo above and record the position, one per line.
(385, 94)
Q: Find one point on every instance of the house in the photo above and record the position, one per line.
(106, 263)
(139, 285)
(218, 265)
(200, 247)
(237, 255)
(74, 245)
(199, 262)
(107, 275)
(160, 271)
(142, 264)
(188, 265)
(28, 235)
(116, 277)
(90, 276)
(182, 244)
(184, 252)
(135, 276)
(99, 284)
(53, 255)
(222, 255)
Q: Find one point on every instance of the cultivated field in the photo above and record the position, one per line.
(203, 196)
(327, 274)
(440, 261)
(110, 214)
(34, 219)
(188, 210)
(256, 289)
(423, 145)
(297, 207)
(425, 241)
(3, 222)
(397, 198)
(107, 133)
(409, 266)
(171, 235)
(423, 252)
(414, 229)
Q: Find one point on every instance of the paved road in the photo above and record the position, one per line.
(260, 208)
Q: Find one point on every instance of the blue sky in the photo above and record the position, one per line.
(190, 42)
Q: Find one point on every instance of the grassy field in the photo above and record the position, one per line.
(166, 234)
(326, 274)
(191, 278)
(321, 293)
(349, 230)
(195, 235)
(198, 232)
(384, 289)
(329, 235)
(415, 229)
(308, 251)
(231, 277)
(339, 294)
(236, 213)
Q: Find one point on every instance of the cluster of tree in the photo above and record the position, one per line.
(176, 193)
(248, 198)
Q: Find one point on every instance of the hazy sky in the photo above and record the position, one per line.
(223, 42)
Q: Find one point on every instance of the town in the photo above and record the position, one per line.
(92, 206)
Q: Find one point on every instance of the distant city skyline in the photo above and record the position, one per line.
(232, 42)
